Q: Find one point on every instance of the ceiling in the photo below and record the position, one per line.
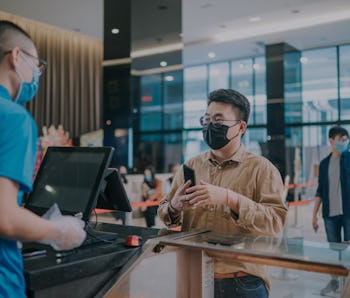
(229, 28)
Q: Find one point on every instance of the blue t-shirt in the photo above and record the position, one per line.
(18, 140)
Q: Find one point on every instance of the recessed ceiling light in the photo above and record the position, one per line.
(304, 60)
(211, 55)
(163, 63)
(169, 78)
(115, 31)
(255, 19)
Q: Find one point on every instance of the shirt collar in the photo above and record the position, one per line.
(4, 93)
(235, 158)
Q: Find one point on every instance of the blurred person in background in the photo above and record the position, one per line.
(333, 193)
(151, 190)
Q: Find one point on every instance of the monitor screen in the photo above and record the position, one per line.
(113, 195)
(70, 177)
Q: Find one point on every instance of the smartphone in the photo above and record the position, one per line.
(189, 175)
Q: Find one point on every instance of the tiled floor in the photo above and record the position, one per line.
(285, 283)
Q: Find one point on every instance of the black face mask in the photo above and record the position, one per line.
(215, 135)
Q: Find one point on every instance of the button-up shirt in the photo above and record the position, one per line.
(261, 210)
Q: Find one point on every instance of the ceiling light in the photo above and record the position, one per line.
(211, 55)
(304, 60)
(115, 31)
(255, 19)
(163, 63)
(169, 78)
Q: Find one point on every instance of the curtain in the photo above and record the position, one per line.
(70, 91)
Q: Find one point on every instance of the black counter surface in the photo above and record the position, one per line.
(84, 270)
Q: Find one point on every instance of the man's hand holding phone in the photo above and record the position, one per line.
(180, 199)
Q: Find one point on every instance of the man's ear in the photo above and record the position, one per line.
(14, 57)
(243, 126)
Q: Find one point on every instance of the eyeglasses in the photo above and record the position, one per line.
(216, 122)
(42, 64)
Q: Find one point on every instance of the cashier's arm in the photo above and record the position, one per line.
(17, 222)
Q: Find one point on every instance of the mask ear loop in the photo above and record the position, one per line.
(237, 132)
(19, 91)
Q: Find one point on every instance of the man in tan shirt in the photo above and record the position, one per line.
(236, 192)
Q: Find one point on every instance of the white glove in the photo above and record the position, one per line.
(68, 231)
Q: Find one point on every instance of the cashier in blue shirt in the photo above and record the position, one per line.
(20, 69)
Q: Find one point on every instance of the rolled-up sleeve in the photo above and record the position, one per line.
(171, 219)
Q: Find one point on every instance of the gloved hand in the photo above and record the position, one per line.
(68, 233)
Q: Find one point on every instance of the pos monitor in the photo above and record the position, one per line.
(113, 195)
(70, 177)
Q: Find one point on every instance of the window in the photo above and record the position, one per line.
(218, 76)
(255, 139)
(173, 100)
(195, 95)
(150, 107)
(260, 113)
(320, 86)
(193, 143)
(344, 65)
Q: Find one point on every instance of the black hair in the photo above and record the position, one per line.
(337, 130)
(237, 100)
(7, 31)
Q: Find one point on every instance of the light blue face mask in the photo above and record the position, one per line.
(148, 178)
(341, 146)
(27, 90)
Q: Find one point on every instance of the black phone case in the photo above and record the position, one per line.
(189, 174)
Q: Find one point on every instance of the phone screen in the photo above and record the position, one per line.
(189, 174)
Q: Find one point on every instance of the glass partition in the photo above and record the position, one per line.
(181, 264)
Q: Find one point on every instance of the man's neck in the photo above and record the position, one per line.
(5, 82)
(335, 153)
(225, 153)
